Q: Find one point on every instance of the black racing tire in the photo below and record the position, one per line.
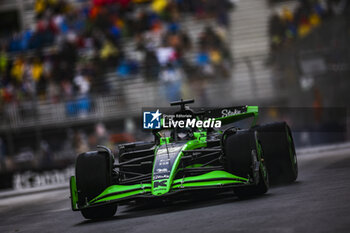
(278, 146)
(254, 190)
(99, 212)
(242, 150)
(93, 175)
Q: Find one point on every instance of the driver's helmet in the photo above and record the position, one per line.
(184, 134)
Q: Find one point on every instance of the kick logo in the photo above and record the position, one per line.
(151, 120)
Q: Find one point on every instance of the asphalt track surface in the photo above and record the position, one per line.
(318, 202)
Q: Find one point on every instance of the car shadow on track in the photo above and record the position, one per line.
(279, 185)
(154, 207)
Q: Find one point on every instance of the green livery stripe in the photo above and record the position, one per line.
(211, 175)
(73, 192)
(122, 195)
(208, 180)
(194, 165)
(207, 183)
(119, 191)
(122, 188)
(214, 178)
(190, 145)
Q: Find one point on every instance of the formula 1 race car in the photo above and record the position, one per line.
(183, 159)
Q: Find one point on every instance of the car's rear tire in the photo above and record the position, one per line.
(94, 174)
(278, 146)
(243, 151)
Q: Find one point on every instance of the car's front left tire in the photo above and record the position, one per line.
(244, 158)
(278, 146)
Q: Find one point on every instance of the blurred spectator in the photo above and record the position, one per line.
(151, 65)
(213, 57)
(171, 78)
(80, 142)
(46, 153)
(127, 68)
(317, 105)
(82, 83)
(3, 62)
(108, 50)
(70, 48)
(309, 14)
(101, 134)
(78, 107)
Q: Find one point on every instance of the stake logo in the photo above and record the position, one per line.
(151, 120)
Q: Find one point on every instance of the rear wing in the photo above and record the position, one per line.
(233, 114)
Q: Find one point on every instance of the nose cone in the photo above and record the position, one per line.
(165, 164)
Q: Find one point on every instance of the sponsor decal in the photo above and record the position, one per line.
(157, 184)
(166, 150)
(158, 177)
(32, 179)
(228, 112)
(165, 158)
(162, 169)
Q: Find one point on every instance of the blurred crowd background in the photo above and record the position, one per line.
(76, 73)
(73, 47)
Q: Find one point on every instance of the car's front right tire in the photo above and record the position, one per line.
(93, 175)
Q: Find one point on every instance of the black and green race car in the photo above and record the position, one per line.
(182, 160)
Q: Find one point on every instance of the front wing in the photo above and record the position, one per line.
(122, 193)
